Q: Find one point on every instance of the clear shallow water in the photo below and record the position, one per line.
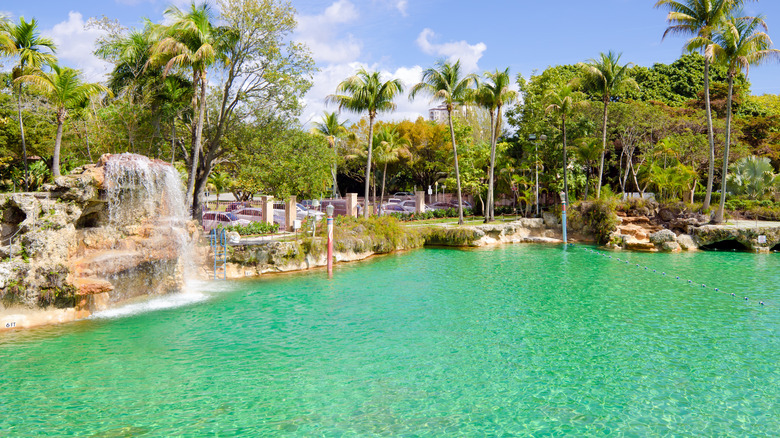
(511, 341)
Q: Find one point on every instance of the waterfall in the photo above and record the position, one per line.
(139, 188)
(145, 200)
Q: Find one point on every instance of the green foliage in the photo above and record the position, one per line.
(752, 177)
(377, 234)
(599, 215)
(253, 228)
(431, 214)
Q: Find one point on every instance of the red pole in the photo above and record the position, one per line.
(330, 243)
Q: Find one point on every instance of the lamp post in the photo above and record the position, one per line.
(329, 209)
(532, 137)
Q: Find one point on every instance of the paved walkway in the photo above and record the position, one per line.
(747, 224)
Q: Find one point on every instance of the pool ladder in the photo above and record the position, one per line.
(218, 239)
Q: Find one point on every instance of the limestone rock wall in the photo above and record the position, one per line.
(58, 250)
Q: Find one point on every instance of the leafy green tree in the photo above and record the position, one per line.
(24, 41)
(739, 44)
(605, 78)
(332, 129)
(64, 89)
(493, 95)
(699, 18)
(444, 83)
(191, 41)
(366, 92)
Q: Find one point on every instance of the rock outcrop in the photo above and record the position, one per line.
(64, 247)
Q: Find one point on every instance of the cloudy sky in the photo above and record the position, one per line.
(401, 37)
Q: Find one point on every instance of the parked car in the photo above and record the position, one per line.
(254, 214)
(237, 205)
(394, 201)
(213, 219)
(440, 206)
(411, 206)
(403, 194)
(392, 208)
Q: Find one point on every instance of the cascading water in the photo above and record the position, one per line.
(152, 252)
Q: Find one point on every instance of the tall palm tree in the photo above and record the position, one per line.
(191, 41)
(332, 130)
(366, 92)
(699, 19)
(444, 83)
(738, 44)
(605, 78)
(24, 41)
(64, 89)
(390, 148)
(493, 94)
(562, 101)
(588, 151)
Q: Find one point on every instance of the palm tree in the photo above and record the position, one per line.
(366, 92)
(332, 130)
(562, 101)
(220, 181)
(444, 83)
(737, 45)
(493, 95)
(587, 150)
(191, 41)
(752, 176)
(390, 148)
(699, 18)
(606, 78)
(64, 89)
(23, 40)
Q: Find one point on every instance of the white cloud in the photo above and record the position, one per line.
(468, 54)
(75, 45)
(402, 5)
(319, 33)
(326, 80)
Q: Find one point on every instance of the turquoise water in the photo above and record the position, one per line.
(515, 341)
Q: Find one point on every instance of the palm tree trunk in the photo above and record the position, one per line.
(603, 147)
(565, 165)
(24, 145)
(710, 135)
(368, 162)
(719, 214)
(384, 175)
(334, 169)
(196, 140)
(488, 211)
(55, 166)
(457, 170)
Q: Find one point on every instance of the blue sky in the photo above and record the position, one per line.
(401, 37)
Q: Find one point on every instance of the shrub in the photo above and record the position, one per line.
(253, 228)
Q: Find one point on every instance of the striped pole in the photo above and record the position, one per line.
(329, 210)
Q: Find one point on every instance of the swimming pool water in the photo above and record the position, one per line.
(511, 341)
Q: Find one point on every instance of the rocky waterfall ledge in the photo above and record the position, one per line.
(64, 253)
